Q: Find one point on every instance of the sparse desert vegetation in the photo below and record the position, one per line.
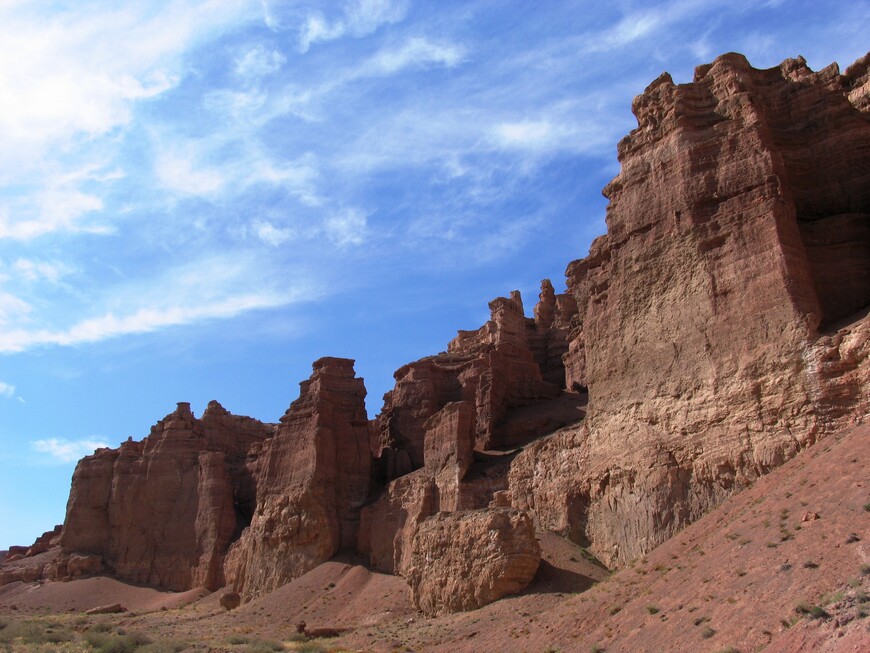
(67, 634)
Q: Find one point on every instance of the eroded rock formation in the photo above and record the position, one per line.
(457, 420)
(226, 499)
(738, 241)
(164, 510)
(312, 478)
(445, 578)
(496, 370)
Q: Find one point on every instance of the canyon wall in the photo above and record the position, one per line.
(312, 478)
(164, 510)
(719, 326)
(226, 499)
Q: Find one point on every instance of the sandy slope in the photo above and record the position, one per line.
(87, 593)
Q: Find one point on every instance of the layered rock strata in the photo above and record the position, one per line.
(708, 324)
(225, 499)
(164, 510)
(456, 420)
(312, 478)
(495, 370)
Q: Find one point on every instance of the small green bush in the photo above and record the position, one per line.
(811, 611)
(164, 646)
(29, 632)
(827, 599)
(311, 647)
(708, 632)
(652, 609)
(113, 643)
(101, 627)
(264, 646)
(58, 635)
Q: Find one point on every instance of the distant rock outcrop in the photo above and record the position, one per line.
(164, 510)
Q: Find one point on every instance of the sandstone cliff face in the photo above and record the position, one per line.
(456, 420)
(445, 578)
(738, 232)
(445, 439)
(163, 511)
(494, 370)
(312, 478)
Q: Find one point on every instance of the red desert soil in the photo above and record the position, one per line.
(82, 595)
(800, 535)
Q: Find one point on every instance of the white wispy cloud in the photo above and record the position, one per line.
(179, 169)
(258, 62)
(6, 390)
(56, 203)
(272, 235)
(312, 101)
(318, 29)
(144, 320)
(524, 133)
(413, 52)
(80, 69)
(359, 18)
(230, 164)
(347, 227)
(65, 451)
(13, 309)
(236, 106)
(216, 287)
(39, 270)
(77, 75)
(643, 23)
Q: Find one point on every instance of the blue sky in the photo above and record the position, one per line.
(199, 198)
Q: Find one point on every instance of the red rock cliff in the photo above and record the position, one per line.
(164, 510)
(719, 325)
(312, 478)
